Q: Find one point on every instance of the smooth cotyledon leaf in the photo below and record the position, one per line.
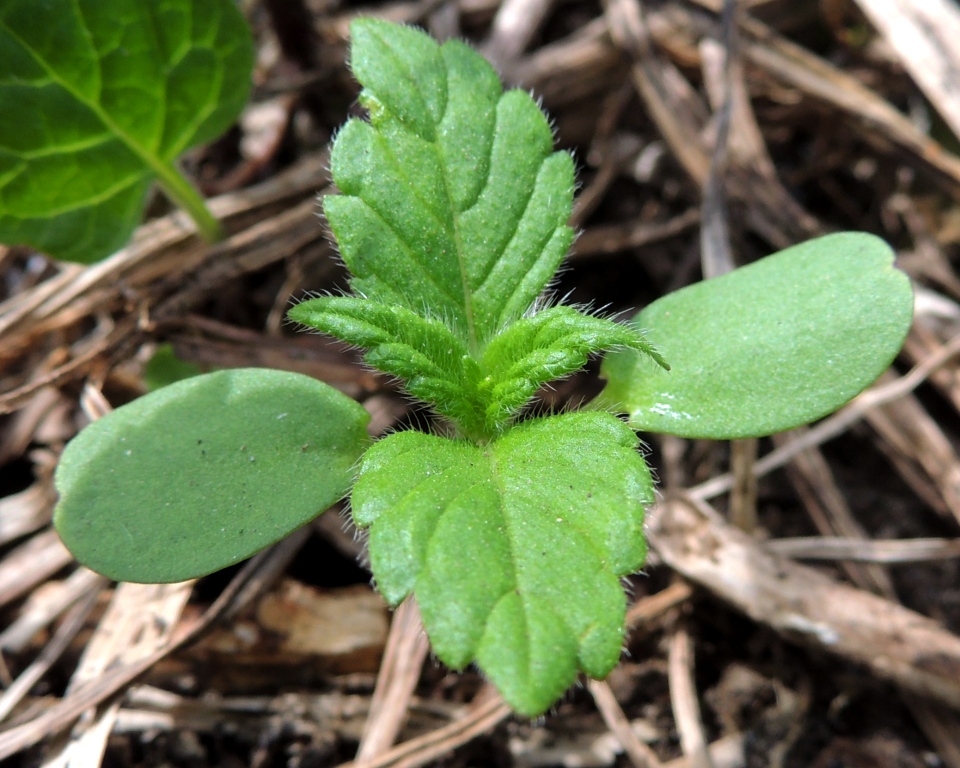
(97, 100)
(769, 346)
(454, 203)
(205, 472)
(515, 549)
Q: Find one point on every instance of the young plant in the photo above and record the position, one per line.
(97, 101)
(513, 531)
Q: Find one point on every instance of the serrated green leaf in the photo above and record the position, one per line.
(481, 397)
(454, 204)
(515, 549)
(546, 346)
(97, 100)
(205, 472)
(770, 346)
(432, 361)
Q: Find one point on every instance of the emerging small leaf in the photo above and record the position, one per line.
(97, 100)
(769, 346)
(165, 368)
(433, 362)
(205, 472)
(515, 549)
(548, 345)
(480, 396)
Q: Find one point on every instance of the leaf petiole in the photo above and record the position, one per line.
(183, 194)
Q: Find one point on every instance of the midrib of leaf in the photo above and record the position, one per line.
(510, 537)
(473, 341)
(461, 264)
(586, 541)
(152, 31)
(455, 221)
(425, 274)
(176, 186)
(435, 144)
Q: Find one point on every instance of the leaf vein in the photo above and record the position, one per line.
(513, 235)
(408, 249)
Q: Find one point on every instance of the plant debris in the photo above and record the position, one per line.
(706, 137)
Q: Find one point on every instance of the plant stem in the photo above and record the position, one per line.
(184, 195)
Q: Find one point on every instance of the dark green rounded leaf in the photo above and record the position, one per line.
(205, 472)
(770, 346)
(97, 100)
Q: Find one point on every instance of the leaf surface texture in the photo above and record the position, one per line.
(770, 346)
(454, 203)
(203, 473)
(515, 550)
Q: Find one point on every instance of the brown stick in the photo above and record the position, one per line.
(895, 643)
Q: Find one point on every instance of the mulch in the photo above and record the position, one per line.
(801, 605)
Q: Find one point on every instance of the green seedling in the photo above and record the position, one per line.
(513, 530)
(165, 368)
(97, 101)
